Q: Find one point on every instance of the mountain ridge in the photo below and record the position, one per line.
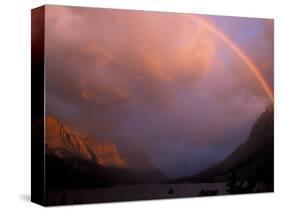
(104, 153)
(73, 162)
(59, 136)
(253, 159)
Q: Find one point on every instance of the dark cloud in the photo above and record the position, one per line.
(155, 81)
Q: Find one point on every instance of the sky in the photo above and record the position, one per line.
(157, 83)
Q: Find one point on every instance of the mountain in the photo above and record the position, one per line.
(73, 162)
(251, 160)
(105, 152)
(58, 137)
(141, 162)
(64, 143)
(137, 159)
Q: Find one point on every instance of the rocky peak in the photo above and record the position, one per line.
(105, 151)
(58, 136)
(62, 141)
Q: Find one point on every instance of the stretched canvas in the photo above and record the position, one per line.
(140, 105)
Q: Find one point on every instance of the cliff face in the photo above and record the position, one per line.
(59, 137)
(62, 141)
(72, 162)
(106, 153)
(251, 160)
(260, 139)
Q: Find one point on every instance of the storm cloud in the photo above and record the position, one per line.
(156, 82)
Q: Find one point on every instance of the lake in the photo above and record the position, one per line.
(132, 192)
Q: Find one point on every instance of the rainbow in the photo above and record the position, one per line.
(254, 69)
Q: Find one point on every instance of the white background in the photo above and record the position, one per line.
(15, 105)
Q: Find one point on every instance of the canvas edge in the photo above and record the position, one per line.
(38, 106)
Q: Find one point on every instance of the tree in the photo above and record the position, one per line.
(235, 186)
